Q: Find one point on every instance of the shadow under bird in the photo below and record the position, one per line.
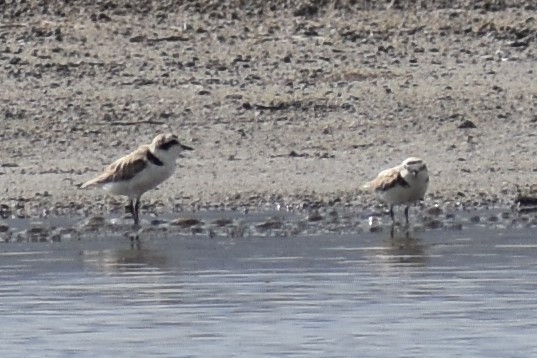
(140, 171)
(402, 184)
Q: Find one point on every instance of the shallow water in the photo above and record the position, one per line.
(432, 293)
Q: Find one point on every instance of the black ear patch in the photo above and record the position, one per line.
(168, 145)
(153, 159)
(400, 181)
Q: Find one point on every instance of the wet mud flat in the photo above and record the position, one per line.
(435, 293)
(265, 223)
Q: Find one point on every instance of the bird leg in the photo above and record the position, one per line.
(134, 208)
(391, 213)
(406, 213)
(130, 207)
(136, 212)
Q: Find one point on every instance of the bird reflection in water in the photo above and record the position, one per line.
(120, 260)
(403, 247)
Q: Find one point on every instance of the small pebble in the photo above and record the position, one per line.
(315, 216)
(434, 211)
(433, 224)
(269, 225)
(475, 219)
(222, 222)
(185, 222)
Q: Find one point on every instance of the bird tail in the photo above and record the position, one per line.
(90, 183)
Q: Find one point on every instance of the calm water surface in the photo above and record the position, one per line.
(432, 294)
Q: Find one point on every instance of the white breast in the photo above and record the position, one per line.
(406, 194)
(145, 180)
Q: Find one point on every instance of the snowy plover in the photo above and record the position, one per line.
(140, 171)
(403, 184)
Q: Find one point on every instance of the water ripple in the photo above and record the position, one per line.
(436, 294)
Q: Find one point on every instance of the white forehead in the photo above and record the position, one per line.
(413, 160)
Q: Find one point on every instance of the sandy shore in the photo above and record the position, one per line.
(279, 108)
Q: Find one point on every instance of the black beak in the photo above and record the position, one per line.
(186, 147)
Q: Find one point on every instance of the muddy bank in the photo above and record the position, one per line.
(237, 224)
(281, 108)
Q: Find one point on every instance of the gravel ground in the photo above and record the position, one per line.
(289, 103)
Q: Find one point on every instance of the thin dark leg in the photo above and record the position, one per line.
(406, 213)
(391, 213)
(135, 242)
(130, 207)
(136, 212)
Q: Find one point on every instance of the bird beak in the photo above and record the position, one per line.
(186, 147)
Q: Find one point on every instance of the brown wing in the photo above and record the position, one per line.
(387, 179)
(122, 169)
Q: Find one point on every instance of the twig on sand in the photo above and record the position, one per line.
(7, 25)
(134, 123)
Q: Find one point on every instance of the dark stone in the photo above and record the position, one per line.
(185, 222)
(269, 225)
(467, 124)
